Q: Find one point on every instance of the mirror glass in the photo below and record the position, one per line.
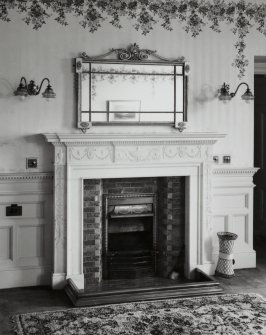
(126, 92)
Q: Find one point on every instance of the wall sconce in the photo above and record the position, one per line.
(225, 95)
(24, 89)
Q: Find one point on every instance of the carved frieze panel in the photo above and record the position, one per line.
(158, 153)
(76, 154)
(60, 154)
(60, 205)
(138, 154)
(116, 152)
(182, 151)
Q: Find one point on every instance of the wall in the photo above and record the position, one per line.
(50, 51)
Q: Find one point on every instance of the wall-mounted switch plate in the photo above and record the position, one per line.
(227, 159)
(215, 159)
(31, 163)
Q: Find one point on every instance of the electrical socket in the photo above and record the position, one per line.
(215, 159)
(227, 159)
(31, 163)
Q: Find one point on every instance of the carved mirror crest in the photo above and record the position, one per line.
(138, 87)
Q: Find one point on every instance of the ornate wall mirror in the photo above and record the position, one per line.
(138, 87)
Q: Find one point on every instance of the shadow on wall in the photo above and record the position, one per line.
(206, 94)
(6, 89)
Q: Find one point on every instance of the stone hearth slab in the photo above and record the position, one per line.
(203, 285)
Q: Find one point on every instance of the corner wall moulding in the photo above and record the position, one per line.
(24, 89)
(224, 94)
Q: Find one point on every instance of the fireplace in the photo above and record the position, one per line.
(82, 157)
(129, 236)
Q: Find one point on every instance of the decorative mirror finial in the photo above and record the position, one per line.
(133, 52)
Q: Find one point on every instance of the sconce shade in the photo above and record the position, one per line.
(21, 91)
(247, 95)
(225, 96)
(49, 92)
(224, 93)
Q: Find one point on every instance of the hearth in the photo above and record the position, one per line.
(129, 236)
(151, 288)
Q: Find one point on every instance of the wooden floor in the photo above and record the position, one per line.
(23, 300)
(249, 280)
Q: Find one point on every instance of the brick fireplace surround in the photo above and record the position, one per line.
(170, 216)
(82, 157)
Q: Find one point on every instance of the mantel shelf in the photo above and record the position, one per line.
(145, 137)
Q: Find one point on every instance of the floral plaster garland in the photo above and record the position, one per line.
(194, 15)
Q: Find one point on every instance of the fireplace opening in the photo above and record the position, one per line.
(134, 228)
(130, 236)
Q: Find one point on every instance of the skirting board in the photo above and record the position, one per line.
(24, 277)
(58, 281)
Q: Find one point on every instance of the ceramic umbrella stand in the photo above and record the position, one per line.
(226, 261)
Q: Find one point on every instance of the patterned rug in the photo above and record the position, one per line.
(226, 314)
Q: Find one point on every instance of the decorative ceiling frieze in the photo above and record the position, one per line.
(193, 15)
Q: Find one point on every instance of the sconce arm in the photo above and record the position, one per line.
(233, 94)
(40, 87)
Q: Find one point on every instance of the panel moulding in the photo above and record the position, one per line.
(34, 192)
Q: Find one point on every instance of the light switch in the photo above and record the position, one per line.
(31, 163)
(215, 159)
(227, 159)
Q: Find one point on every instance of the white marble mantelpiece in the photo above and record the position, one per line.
(88, 156)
